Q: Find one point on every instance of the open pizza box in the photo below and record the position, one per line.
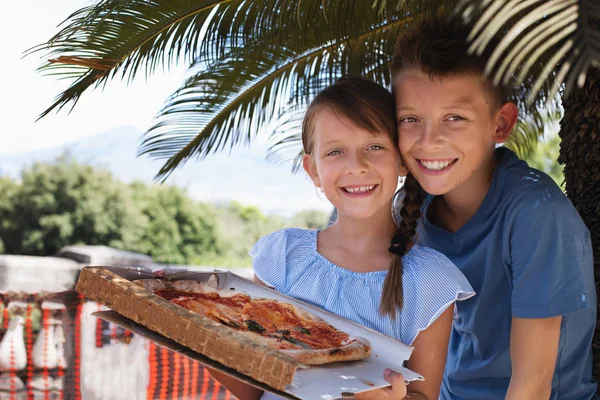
(219, 347)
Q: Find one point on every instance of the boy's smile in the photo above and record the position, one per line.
(436, 167)
(447, 131)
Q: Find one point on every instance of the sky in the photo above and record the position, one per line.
(26, 93)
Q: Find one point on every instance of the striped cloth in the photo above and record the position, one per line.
(288, 261)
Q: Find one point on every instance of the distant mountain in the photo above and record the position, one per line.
(241, 175)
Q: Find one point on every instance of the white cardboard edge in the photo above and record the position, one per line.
(325, 382)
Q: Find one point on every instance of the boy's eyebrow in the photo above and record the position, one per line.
(463, 102)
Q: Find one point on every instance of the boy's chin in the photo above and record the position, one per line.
(436, 189)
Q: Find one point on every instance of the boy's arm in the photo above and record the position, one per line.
(533, 352)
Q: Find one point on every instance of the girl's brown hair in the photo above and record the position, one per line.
(371, 107)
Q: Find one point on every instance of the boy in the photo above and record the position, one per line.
(519, 241)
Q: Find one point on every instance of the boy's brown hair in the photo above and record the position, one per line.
(371, 107)
(439, 47)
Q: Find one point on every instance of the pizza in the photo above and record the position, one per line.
(282, 326)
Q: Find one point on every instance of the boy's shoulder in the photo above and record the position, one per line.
(517, 182)
(532, 197)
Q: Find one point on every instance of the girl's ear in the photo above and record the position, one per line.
(309, 165)
(506, 119)
(402, 170)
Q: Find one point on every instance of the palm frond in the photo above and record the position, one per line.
(116, 36)
(235, 98)
(121, 37)
(533, 124)
(547, 46)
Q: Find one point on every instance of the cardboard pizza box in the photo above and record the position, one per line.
(226, 350)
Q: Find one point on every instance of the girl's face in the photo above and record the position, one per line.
(356, 169)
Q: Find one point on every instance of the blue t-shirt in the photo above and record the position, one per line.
(527, 254)
(288, 261)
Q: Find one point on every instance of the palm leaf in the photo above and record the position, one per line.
(116, 36)
(122, 37)
(235, 98)
(556, 41)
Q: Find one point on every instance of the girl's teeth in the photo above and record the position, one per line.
(435, 165)
(361, 189)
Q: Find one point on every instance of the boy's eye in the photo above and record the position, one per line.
(333, 153)
(456, 118)
(376, 147)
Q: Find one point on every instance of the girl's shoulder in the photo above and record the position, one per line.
(286, 240)
(431, 283)
(276, 256)
(425, 266)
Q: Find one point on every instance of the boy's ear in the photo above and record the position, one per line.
(308, 163)
(506, 119)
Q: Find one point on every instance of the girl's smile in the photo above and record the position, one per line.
(356, 169)
(359, 191)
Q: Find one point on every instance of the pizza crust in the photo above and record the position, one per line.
(358, 349)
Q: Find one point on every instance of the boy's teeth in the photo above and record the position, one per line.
(360, 189)
(435, 165)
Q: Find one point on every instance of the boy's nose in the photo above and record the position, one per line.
(430, 137)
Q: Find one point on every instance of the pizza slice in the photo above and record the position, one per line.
(301, 334)
(281, 326)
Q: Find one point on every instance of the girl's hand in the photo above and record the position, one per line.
(396, 392)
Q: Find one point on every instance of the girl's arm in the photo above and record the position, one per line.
(533, 353)
(239, 389)
(428, 359)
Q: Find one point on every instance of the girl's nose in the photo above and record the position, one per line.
(357, 163)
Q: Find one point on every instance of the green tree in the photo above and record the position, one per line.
(62, 203)
(177, 230)
(311, 219)
(8, 188)
(544, 157)
(254, 61)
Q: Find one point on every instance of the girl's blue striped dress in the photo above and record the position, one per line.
(288, 261)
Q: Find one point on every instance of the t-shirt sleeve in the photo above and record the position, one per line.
(549, 256)
(432, 283)
(269, 260)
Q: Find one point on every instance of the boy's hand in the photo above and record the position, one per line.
(395, 392)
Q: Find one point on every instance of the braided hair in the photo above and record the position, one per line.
(392, 293)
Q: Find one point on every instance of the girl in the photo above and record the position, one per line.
(349, 268)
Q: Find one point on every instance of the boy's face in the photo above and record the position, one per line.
(448, 128)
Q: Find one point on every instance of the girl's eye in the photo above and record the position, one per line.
(408, 120)
(456, 118)
(333, 153)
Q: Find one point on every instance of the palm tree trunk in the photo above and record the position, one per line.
(580, 153)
